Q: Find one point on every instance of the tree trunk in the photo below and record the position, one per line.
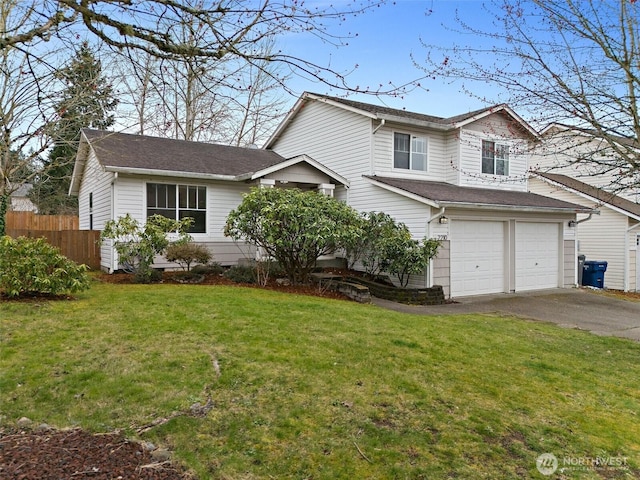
(4, 203)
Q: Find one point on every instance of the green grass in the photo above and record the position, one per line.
(322, 389)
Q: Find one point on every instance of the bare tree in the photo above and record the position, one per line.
(26, 101)
(258, 105)
(222, 28)
(572, 63)
(226, 101)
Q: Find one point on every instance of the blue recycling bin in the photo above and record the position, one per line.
(593, 273)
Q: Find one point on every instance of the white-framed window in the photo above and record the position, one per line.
(409, 152)
(495, 158)
(177, 202)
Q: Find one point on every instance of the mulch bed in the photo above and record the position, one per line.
(70, 454)
(169, 277)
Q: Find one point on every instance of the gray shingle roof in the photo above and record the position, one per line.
(447, 194)
(121, 150)
(394, 112)
(596, 193)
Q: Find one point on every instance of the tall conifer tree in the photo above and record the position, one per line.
(86, 101)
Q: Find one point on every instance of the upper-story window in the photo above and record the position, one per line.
(495, 158)
(177, 202)
(409, 152)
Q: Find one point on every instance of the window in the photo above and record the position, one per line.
(495, 158)
(409, 152)
(177, 202)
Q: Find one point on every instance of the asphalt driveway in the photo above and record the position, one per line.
(571, 308)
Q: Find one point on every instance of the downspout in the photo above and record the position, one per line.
(575, 265)
(578, 222)
(382, 122)
(372, 160)
(114, 261)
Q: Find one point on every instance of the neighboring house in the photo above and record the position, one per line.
(115, 174)
(613, 235)
(463, 180)
(20, 201)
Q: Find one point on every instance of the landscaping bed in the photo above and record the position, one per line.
(67, 454)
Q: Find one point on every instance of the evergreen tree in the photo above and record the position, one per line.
(86, 101)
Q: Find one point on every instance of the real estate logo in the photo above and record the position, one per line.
(547, 463)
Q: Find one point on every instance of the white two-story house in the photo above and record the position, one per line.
(463, 180)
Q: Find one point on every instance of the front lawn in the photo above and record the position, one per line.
(305, 387)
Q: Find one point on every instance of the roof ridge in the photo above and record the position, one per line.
(373, 108)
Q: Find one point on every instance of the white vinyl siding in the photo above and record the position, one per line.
(338, 139)
(438, 159)
(451, 156)
(600, 238)
(494, 128)
(558, 155)
(96, 183)
(222, 197)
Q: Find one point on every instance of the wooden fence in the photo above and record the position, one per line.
(81, 246)
(32, 221)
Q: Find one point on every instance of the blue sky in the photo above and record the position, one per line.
(387, 37)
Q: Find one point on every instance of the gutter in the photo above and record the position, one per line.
(173, 173)
(493, 206)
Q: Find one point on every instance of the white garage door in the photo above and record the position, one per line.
(477, 257)
(537, 255)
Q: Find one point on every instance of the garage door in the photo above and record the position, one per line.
(477, 257)
(537, 255)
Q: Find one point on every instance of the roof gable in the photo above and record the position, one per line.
(379, 112)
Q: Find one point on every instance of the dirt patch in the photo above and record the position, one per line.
(72, 454)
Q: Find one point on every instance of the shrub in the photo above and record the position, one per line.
(137, 244)
(293, 227)
(147, 274)
(31, 265)
(407, 257)
(185, 254)
(242, 274)
(387, 246)
(213, 268)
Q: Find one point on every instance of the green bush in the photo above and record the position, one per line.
(138, 244)
(146, 274)
(293, 227)
(213, 268)
(242, 274)
(32, 266)
(185, 254)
